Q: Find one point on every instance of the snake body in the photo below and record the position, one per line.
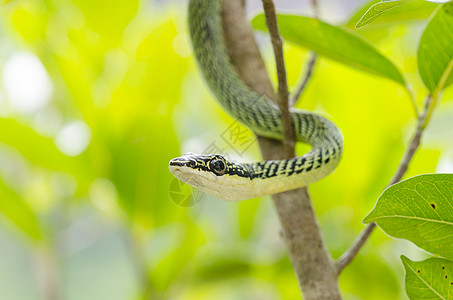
(235, 181)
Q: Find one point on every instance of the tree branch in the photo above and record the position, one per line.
(283, 104)
(304, 80)
(311, 260)
(414, 144)
(46, 263)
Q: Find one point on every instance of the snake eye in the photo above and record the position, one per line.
(192, 163)
(218, 166)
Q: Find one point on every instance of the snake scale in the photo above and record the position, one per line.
(234, 181)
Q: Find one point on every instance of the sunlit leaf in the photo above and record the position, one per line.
(419, 209)
(410, 11)
(18, 212)
(435, 52)
(333, 42)
(429, 279)
(378, 9)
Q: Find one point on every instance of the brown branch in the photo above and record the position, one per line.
(46, 265)
(414, 144)
(140, 265)
(277, 44)
(304, 80)
(315, 6)
(311, 260)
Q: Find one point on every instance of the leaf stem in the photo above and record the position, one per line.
(413, 101)
(435, 96)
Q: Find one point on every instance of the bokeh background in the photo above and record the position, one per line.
(97, 96)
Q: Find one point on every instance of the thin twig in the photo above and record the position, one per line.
(351, 253)
(414, 144)
(314, 5)
(310, 65)
(304, 80)
(283, 95)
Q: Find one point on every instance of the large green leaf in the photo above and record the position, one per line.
(419, 209)
(435, 52)
(378, 9)
(333, 42)
(429, 279)
(19, 212)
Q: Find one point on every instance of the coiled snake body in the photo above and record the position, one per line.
(235, 181)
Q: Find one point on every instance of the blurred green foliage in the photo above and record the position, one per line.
(102, 224)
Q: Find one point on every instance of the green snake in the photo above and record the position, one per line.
(234, 181)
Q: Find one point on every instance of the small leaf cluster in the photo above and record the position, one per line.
(420, 209)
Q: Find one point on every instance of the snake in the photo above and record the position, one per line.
(235, 181)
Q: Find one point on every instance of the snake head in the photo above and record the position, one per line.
(199, 170)
(190, 162)
(211, 173)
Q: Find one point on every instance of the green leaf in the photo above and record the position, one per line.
(435, 52)
(410, 11)
(333, 42)
(376, 10)
(429, 279)
(19, 212)
(419, 209)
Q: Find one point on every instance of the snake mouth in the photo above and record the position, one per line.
(175, 168)
(183, 162)
(180, 168)
(176, 163)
